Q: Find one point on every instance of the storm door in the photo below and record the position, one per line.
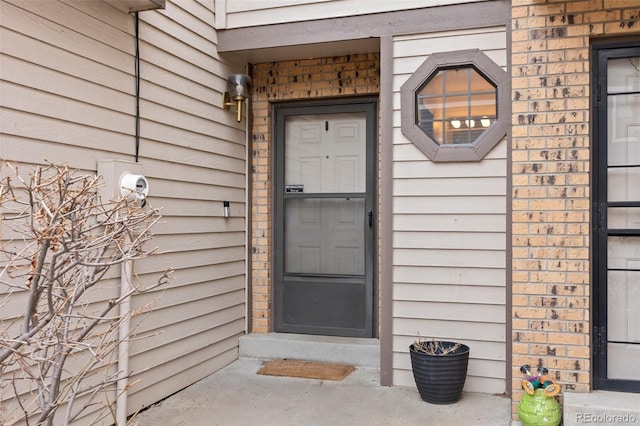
(616, 255)
(324, 219)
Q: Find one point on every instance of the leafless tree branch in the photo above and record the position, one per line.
(65, 242)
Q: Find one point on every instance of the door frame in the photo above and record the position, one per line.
(601, 52)
(368, 105)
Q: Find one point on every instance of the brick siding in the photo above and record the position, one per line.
(349, 75)
(551, 174)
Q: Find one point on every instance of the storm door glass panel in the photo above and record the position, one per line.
(325, 154)
(325, 189)
(325, 236)
(623, 218)
(624, 308)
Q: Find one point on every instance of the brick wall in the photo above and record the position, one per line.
(551, 173)
(349, 75)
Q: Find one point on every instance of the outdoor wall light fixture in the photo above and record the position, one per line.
(238, 86)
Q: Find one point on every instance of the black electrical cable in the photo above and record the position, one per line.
(137, 71)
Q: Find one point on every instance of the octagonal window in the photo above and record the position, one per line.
(456, 105)
(453, 106)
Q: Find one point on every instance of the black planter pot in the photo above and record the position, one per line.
(440, 378)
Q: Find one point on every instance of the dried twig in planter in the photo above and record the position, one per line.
(434, 347)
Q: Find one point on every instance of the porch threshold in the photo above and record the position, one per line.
(347, 350)
(601, 408)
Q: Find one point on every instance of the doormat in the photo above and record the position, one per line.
(306, 369)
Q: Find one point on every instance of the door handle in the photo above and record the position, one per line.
(370, 214)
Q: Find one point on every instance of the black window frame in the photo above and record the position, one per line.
(601, 52)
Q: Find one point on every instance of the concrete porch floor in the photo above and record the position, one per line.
(236, 395)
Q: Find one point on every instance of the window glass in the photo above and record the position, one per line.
(455, 105)
(457, 81)
(623, 75)
(325, 153)
(479, 83)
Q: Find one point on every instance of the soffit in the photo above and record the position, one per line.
(308, 51)
(137, 5)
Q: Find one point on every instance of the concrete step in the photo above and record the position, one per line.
(601, 408)
(345, 350)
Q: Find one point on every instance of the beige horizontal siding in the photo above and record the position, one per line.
(481, 368)
(425, 169)
(200, 241)
(412, 328)
(453, 204)
(449, 275)
(450, 258)
(449, 245)
(181, 224)
(482, 350)
(491, 41)
(201, 292)
(67, 83)
(466, 186)
(473, 383)
(451, 293)
(201, 208)
(476, 312)
(449, 222)
(202, 362)
(449, 240)
(171, 317)
(248, 13)
(485, 39)
(51, 104)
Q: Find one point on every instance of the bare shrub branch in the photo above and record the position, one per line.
(59, 242)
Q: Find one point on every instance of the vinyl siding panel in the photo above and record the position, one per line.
(450, 311)
(464, 331)
(452, 293)
(209, 358)
(449, 239)
(441, 186)
(454, 276)
(465, 258)
(245, 13)
(423, 168)
(67, 94)
(449, 222)
(406, 151)
(453, 204)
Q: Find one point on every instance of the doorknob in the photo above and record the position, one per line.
(370, 214)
